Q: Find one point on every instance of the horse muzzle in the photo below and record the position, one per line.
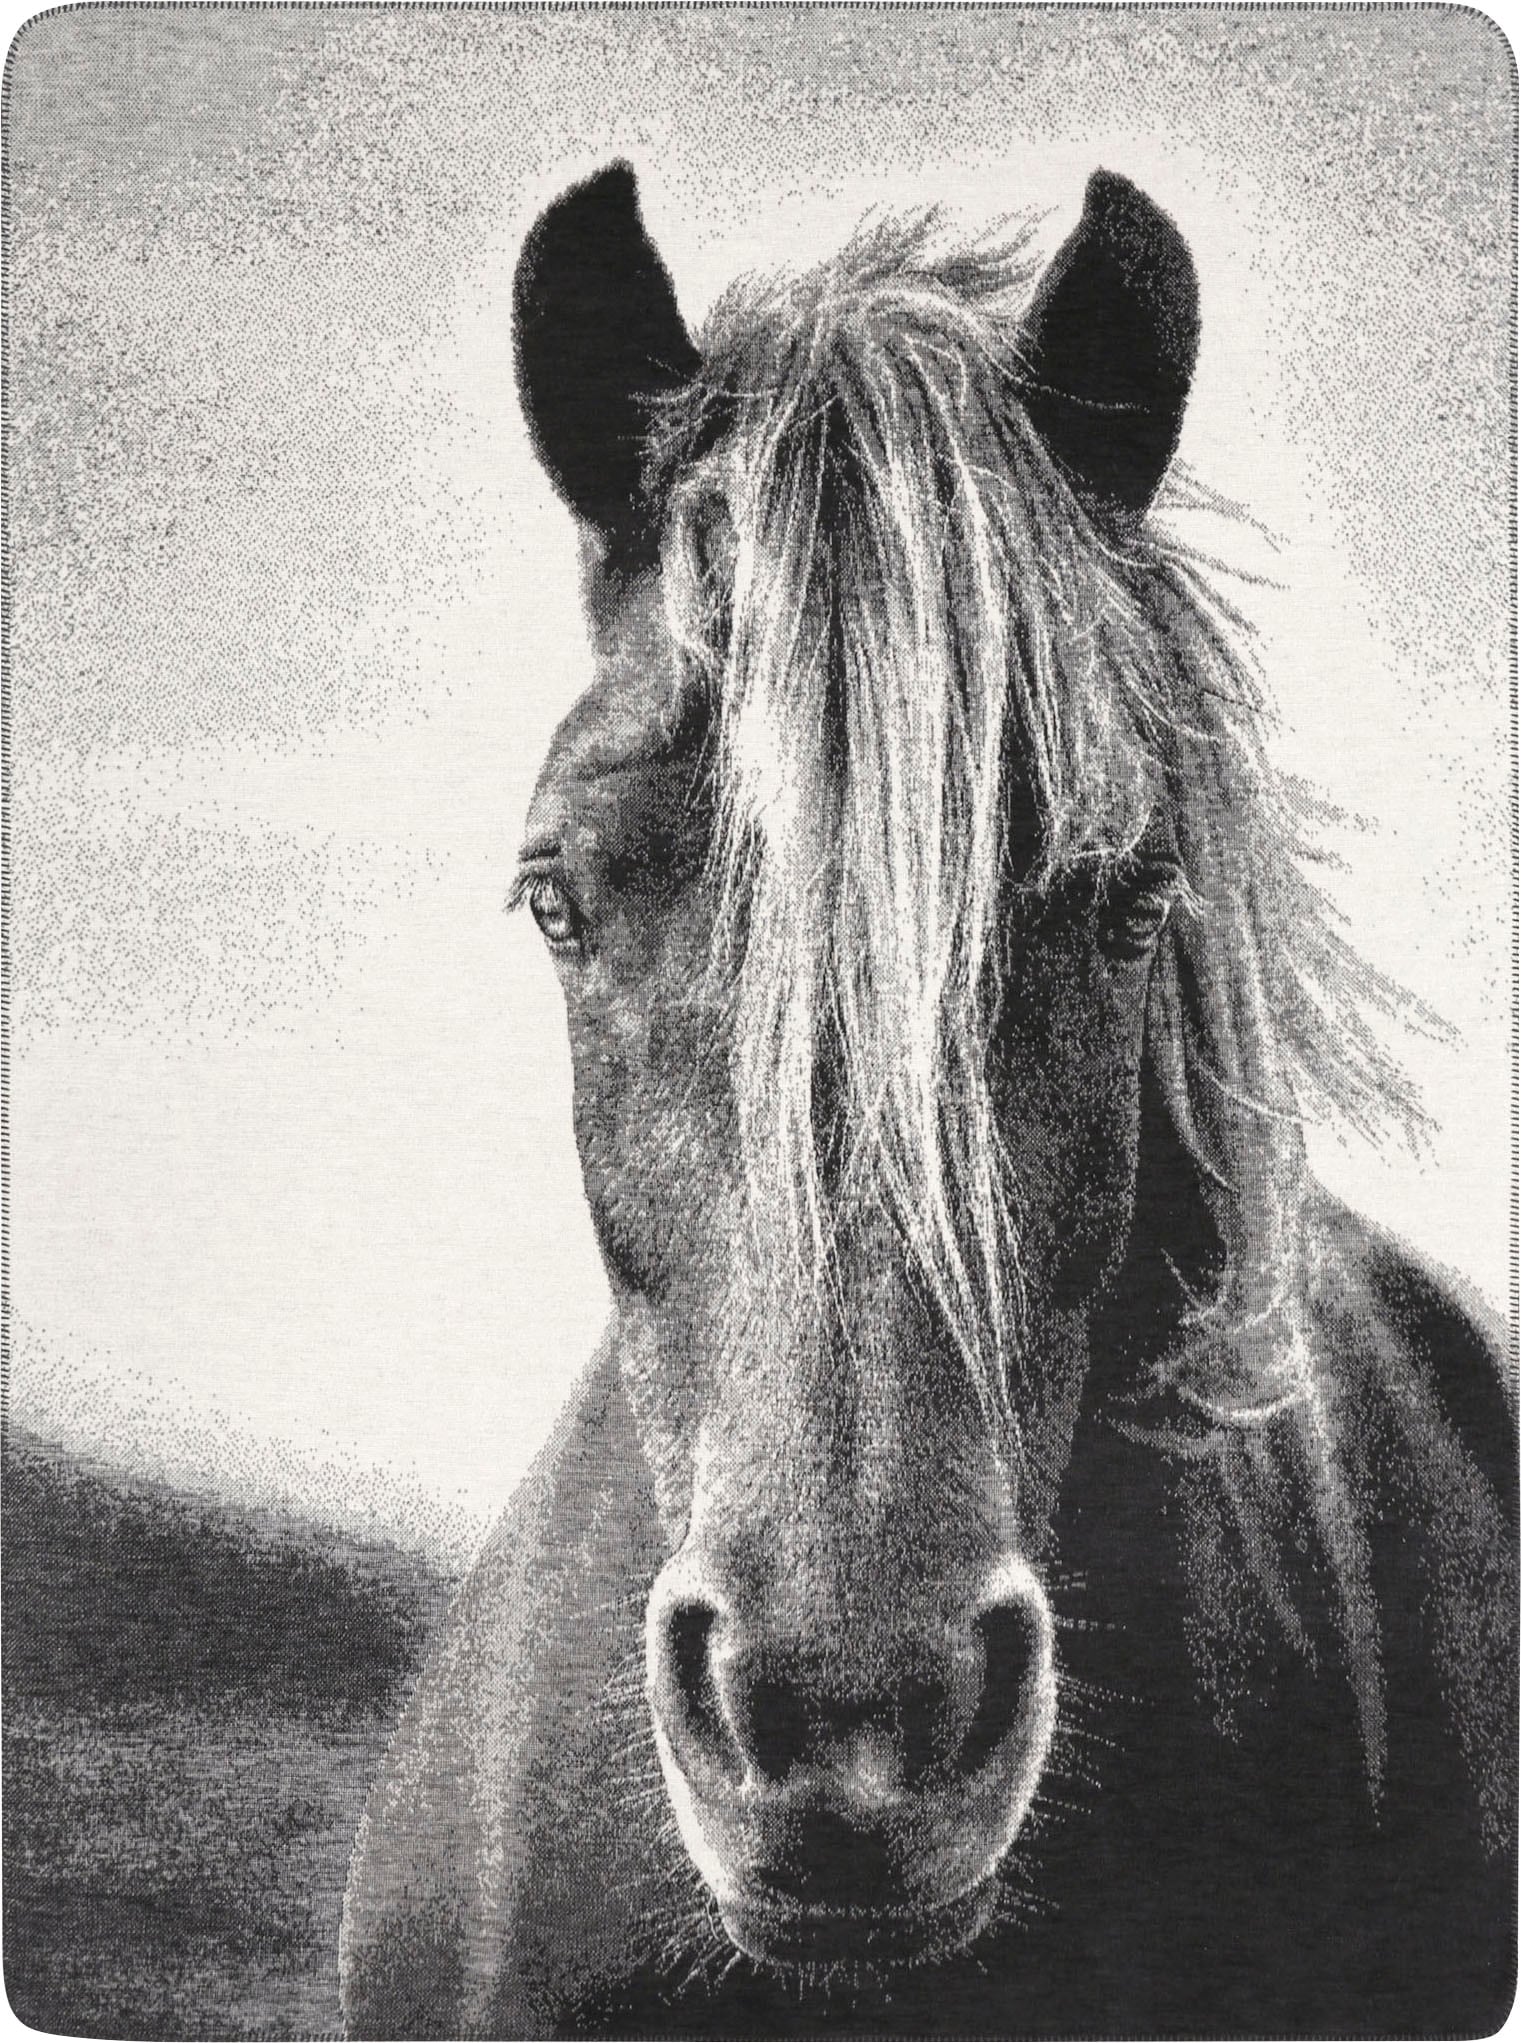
(848, 1790)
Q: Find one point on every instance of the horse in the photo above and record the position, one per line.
(1024, 1559)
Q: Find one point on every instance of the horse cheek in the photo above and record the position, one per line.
(1093, 1221)
(1101, 1139)
(604, 1088)
(1069, 1107)
(629, 1151)
(653, 1126)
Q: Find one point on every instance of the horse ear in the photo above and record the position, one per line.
(1108, 347)
(598, 337)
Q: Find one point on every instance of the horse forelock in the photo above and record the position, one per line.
(912, 633)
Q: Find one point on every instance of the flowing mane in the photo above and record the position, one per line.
(939, 679)
(991, 1398)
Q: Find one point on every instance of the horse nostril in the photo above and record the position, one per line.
(686, 1691)
(1012, 1653)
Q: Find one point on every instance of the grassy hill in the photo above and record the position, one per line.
(195, 1701)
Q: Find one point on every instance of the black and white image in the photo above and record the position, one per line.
(762, 1013)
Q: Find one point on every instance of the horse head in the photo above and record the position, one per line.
(855, 861)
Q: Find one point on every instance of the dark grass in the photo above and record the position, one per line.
(195, 1701)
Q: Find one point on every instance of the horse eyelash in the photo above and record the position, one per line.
(524, 881)
(532, 875)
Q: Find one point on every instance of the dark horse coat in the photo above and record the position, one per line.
(1196, 1713)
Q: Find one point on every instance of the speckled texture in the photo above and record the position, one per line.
(290, 602)
(293, 613)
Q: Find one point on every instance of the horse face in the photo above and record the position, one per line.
(850, 1652)
(850, 1658)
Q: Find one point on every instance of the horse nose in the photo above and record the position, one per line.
(777, 1708)
(827, 1763)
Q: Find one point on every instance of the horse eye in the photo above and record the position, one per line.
(1137, 908)
(558, 918)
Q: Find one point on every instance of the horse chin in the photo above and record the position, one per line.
(910, 1908)
(790, 1932)
(858, 1942)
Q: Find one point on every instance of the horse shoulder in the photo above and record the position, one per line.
(447, 1889)
(1425, 1428)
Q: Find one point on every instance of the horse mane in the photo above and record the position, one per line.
(913, 630)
